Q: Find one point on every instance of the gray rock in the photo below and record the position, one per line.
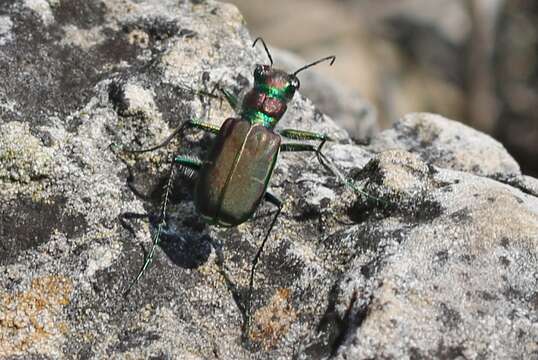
(455, 277)
(448, 144)
(436, 263)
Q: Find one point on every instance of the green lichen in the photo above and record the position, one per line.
(23, 158)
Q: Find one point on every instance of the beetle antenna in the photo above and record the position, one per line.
(265, 47)
(332, 58)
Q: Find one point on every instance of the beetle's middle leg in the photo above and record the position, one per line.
(296, 147)
(278, 203)
(189, 164)
(305, 135)
(325, 162)
(156, 238)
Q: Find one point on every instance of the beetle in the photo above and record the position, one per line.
(232, 181)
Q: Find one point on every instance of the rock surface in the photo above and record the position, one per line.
(449, 144)
(442, 265)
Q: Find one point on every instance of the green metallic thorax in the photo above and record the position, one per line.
(257, 117)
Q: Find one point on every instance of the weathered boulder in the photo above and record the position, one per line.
(454, 274)
(448, 144)
(441, 261)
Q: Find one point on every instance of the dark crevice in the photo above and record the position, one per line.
(349, 321)
(339, 329)
(514, 181)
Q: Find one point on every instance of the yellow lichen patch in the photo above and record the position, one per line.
(272, 321)
(30, 320)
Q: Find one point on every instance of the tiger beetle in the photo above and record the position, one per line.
(233, 180)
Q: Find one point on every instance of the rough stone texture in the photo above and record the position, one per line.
(448, 144)
(458, 280)
(440, 262)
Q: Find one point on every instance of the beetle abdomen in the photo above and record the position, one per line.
(234, 178)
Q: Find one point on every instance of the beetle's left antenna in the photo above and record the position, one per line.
(265, 47)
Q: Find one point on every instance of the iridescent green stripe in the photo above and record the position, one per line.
(272, 91)
(258, 117)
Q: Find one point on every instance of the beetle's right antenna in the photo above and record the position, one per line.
(265, 47)
(332, 58)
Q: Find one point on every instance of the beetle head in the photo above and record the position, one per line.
(273, 89)
(276, 81)
(280, 83)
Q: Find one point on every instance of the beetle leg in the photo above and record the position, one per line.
(273, 199)
(308, 147)
(156, 239)
(327, 164)
(126, 216)
(298, 147)
(278, 203)
(189, 164)
(230, 98)
(195, 124)
(305, 135)
(188, 161)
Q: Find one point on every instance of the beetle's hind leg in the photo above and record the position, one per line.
(190, 166)
(324, 160)
(278, 203)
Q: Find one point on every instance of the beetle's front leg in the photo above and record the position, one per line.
(232, 100)
(191, 124)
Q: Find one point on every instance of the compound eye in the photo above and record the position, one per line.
(294, 82)
(259, 73)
